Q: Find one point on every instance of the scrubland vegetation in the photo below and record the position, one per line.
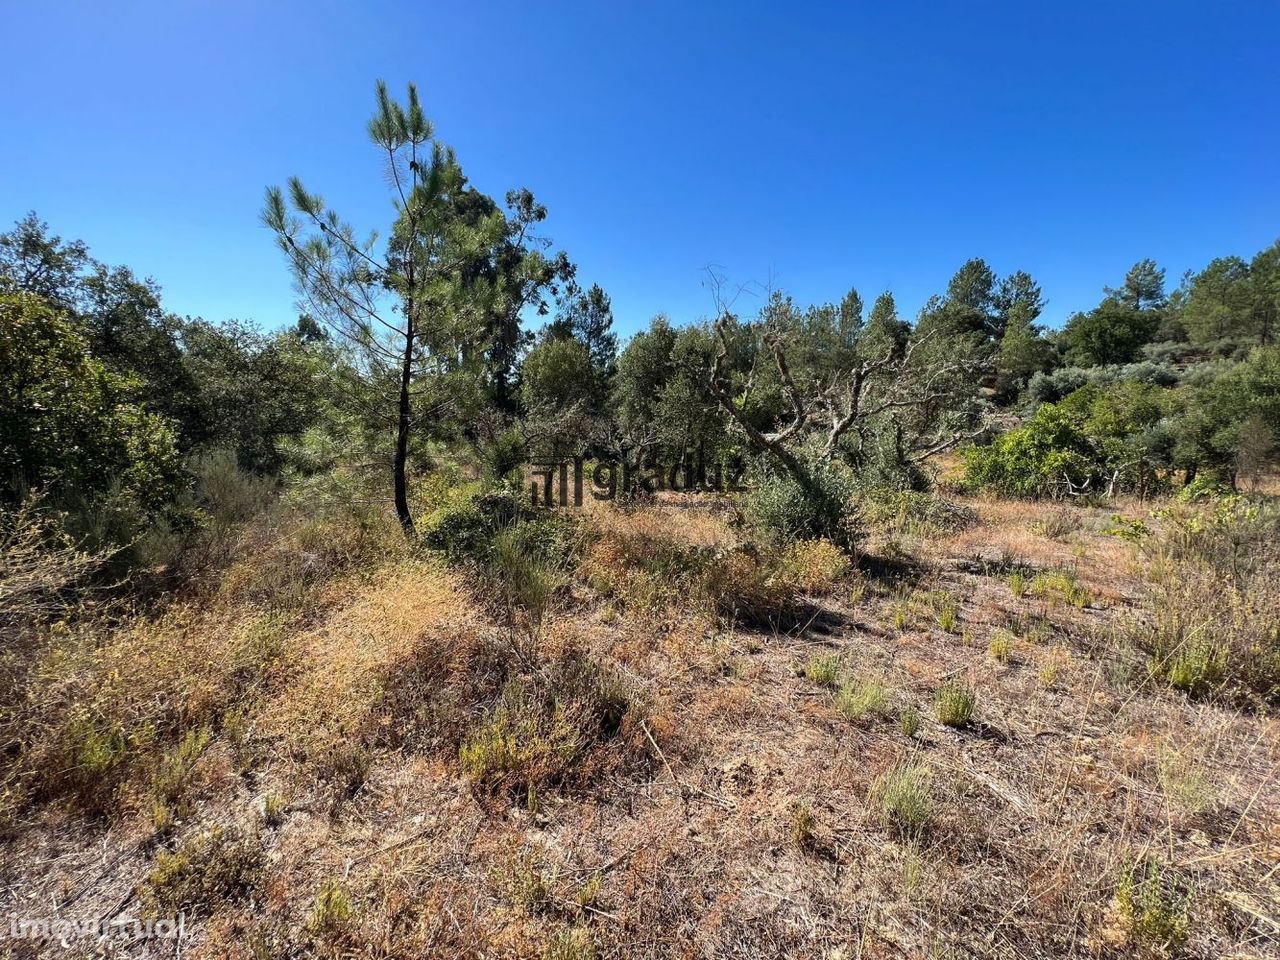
(983, 663)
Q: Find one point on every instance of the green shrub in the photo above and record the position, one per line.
(784, 509)
(1198, 669)
(464, 530)
(1029, 460)
(209, 869)
(1154, 908)
(544, 726)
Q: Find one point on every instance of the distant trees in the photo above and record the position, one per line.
(1235, 299)
(903, 405)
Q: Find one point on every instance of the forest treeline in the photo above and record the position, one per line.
(460, 337)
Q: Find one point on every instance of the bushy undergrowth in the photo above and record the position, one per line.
(642, 566)
(822, 508)
(1154, 909)
(913, 513)
(1214, 622)
(546, 726)
(816, 566)
(209, 868)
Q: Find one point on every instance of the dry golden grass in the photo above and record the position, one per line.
(1076, 779)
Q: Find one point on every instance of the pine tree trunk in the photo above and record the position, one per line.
(402, 437)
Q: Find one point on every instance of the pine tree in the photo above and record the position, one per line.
(403, 310)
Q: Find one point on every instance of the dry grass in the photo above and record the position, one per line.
(718, 802)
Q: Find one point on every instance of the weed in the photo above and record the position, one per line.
(331, 912)
(1058, 525)
(208, 869)
(802, 824)
(169, 786)
(747, 588)
(904, 797)
(274, 807)
(527, 583)
(947, 613)
(1051, 667)
(1184, 781)
(862, 696)
(1018, 583)
(572, 944)
(914, 869)
(909, 721)
(1198, 669)
(528, 882)
(901, 614)
(954, 702)
(544, 726)
(816, 566)
(1001, 646)
(1154, 908)
(589, 892)
(823, 669)
(1079, 596)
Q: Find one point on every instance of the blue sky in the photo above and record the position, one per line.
(816, 146)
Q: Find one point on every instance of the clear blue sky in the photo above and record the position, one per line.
(879, 146)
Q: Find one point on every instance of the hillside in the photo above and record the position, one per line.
(660, 738)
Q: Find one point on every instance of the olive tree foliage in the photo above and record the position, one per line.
(903, 402)
(414, 309)
(561, 398)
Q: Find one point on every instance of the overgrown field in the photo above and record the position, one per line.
(993, 728)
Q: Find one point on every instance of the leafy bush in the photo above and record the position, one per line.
(1033, 460)
(68, 421)
(464, 529)
(784, 509)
